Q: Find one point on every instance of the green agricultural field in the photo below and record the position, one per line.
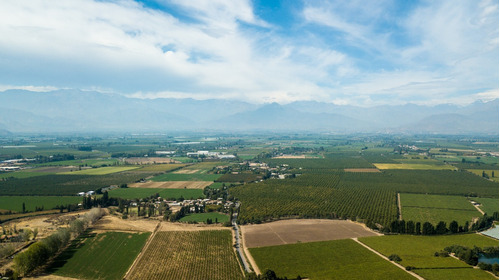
(160, 167)
(208, 165)
(314, 195)
(66, 184)
(100, 256)
(22, 174)
(492, 174)
(414, 166)
(338, 259)
(241, 177)
(207, 254)
(423, 181)
(131, 193)
(185, 177)
(78, 162)
(202, 217)
(488, 205)
(435, 208)
(101, 171)
(331, 161)
(216, 185)
(418, 251)
(15, 203)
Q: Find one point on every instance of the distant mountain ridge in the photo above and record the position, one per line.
(82, 111)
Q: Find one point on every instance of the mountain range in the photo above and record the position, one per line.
(71, 111)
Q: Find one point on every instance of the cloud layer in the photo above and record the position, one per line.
(346, 52)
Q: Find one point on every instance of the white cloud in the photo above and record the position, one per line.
(125, 47)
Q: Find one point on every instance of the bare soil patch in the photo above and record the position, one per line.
(172, 185)
(113, 223)
(367, 170)
(168, 226)
(293, 231)
(149, 160)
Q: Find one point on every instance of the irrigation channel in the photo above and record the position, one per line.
(238, 243)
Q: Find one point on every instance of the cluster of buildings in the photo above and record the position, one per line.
(13, 164)
(209, 154)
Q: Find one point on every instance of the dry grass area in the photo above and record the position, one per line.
(168, 226)
(149, 160)
(172, 185)
(114, 223)
(294, 231)
(362, 170)
(187, 171)
(46, 224)
(291, 156)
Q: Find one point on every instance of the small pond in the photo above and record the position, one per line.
(488, 260)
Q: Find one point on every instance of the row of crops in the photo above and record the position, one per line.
(189, 255)
(314, 196)
(325, 193)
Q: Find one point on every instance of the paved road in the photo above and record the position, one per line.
(238, 243)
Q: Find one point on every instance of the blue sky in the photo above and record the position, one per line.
(346, 52)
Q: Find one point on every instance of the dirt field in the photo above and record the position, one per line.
(113, 223)
(172, 185)
(293, 231)
(149, 160)
(168, 226)
(374, 170)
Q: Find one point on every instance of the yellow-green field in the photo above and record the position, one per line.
(492, 174)
(413, 166)
(101, 171)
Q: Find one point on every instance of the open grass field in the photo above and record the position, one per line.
(492, 174)
(189, 255)
(100, 256)
(202, 217)
(294, 231)
(413, 166)
(131, 193)
(434, 208)
(101, 171)
(418, 251)
(185, 177)
(15, 203)
(172, 185)
(488, 205)
(338, 259)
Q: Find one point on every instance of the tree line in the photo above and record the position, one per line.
(426, 228)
